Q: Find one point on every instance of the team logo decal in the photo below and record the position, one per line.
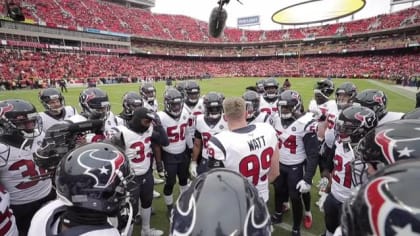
(379, 99)
(385, 215)
(366, 121)
(4, 110)
(101, 165)
(185, 218)
(396, 149)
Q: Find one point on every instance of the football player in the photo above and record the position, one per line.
(198, 210)
(382, 206)
(268, 100)
(385, 145)
(377, 101)
(7, 219)
(95, 106)
(20, 137)
(352, 124)
(55, 108)
(175, 122)
(92, 185)
(259, 85)
(254, 115)
(136, 140)
(344, 97)
(148, 92)
(250, 150)
(132, 101)
(207, 124)
(299, 148)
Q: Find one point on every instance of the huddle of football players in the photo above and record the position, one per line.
(97, 167)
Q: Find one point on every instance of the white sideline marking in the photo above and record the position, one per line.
(288, 227)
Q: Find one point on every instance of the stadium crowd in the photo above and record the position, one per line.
(16, 66)
(102, 15)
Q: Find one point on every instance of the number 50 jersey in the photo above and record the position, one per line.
(247, 151)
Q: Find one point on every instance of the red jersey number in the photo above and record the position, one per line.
(338, 167)
(176, 135)
(29, 169)
(250, 165)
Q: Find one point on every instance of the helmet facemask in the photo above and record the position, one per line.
(29, 126)
(288, 111)
(193, 96)
(55, 104)
(174, 107)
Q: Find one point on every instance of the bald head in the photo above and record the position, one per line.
(234, 109)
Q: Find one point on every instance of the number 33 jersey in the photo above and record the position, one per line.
(16, 175)
(291, 145)
(247, 151)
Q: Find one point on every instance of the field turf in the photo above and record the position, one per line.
(398, 100)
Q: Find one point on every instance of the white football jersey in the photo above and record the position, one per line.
(138, 147)
(341, 185)
(269, 107)
(177, 131)
(197, 109)
(330, 110)
(291, 146)
(153, 106)
(263, 117)
(16, 174)
(207, 131)
(7, 219)
(390, 116)
(46, 222)
(48, 121)
(247, 151)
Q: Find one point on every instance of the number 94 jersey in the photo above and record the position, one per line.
(291, 145)
(247, 151)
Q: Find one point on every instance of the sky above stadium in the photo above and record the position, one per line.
(200, 9)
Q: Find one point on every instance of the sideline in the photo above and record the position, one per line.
(407, 92)
(288, 227)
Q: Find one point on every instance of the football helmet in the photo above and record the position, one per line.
(260, 86)
(271, 86)
(131, 101)
(385, 145)
(414, 114)
(180, 86)
(173, 102)
(148, 92)
(387, 205)
(323, 90)
(252, 102)
(52, 100)
(19, 117)
(192, 91)
(213, 106)
(95, 177)
(289, 105)
(94, 103)
(374, 99)
(244, 212)
(355, 122)
(345, 94)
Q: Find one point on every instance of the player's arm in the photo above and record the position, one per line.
(216, 153)
(117, 139)
(159, 135)
(275, 165)
(197, 146)
(311, 144)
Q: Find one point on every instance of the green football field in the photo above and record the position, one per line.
(399, 99)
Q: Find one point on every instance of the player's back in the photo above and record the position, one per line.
(249, 151)
(47, 222)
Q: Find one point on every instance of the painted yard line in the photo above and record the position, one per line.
(288, 227)
(396, 89)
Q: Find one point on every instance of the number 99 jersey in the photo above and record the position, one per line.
(291, 145)
(248, 151)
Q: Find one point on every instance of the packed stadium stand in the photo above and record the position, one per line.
(99, 39)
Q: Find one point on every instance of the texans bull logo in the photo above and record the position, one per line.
(405, 147)
(101, 165)
(385, 215)
(184, 221)
(5, 109)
